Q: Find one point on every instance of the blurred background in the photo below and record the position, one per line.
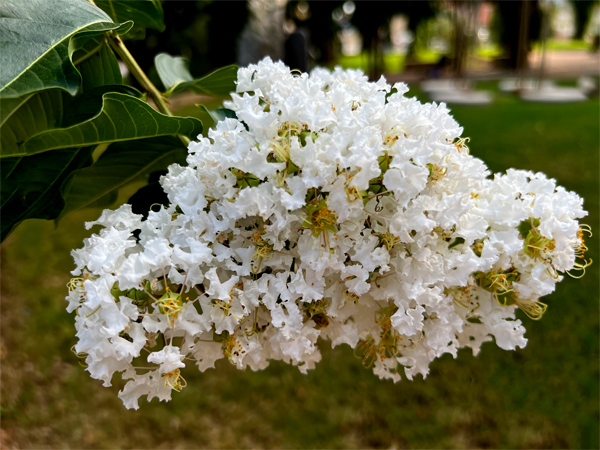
(521, 77)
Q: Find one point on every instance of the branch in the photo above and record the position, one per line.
(119, 47)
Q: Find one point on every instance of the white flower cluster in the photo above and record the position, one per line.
(331, 207)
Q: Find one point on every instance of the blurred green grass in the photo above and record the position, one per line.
(544, 396)
(393, 62)
(396, 63)
(565, 44)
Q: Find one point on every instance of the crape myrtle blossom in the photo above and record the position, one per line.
(333, 208)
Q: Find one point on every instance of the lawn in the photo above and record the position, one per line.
(566, 44)
(393, 62)
(544, 396)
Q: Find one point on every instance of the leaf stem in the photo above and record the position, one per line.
(119, 47)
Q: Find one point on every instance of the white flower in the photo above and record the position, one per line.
(169, 359)
(328, 207)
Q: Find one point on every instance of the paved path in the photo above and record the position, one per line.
(558, 64)
(564, 63)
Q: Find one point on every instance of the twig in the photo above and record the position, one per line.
(119, 47)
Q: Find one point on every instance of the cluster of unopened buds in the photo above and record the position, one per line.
(333, 208)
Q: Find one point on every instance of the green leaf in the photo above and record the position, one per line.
(43, 110)
(33, 114)
(145, 13)
(31, 187)
(27, 116)
(38, 39)
(137, 33)
(222, 114)
(219, 83)
(87, 105)
(175, 76)
(172, 70)
(121, 164)
(218, 114)
(97, 64)
(7, 165)
(9, 105)
(121, 118)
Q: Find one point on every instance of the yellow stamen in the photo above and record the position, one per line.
(175, 380)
